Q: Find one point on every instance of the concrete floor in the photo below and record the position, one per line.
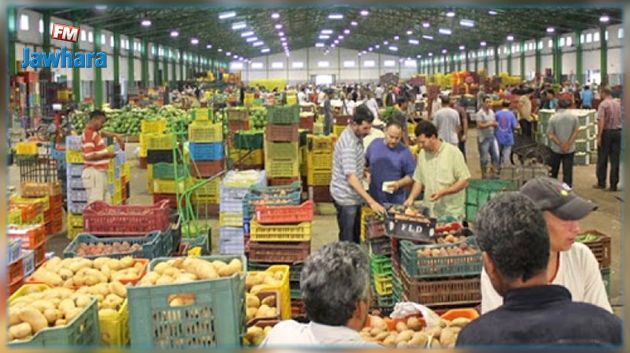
(606, 219)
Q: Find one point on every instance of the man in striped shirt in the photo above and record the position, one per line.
(346, 187)
(96, 157)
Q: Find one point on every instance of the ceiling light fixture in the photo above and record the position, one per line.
(414, 41)
(550, 29)
(281, 34)
(466, 23)
(450, 14)
(385, 42)
(220, 50)
(426, 36)
(174, 34)
(208, 46)
(444, 51)
(461, 47)
(257, 44)
(224, 15)
(430, 54)
(396, 37)
(266, 50)
(346, 31)
(483, 44)
(239, 25)
(409, 33)
(446, 31)
(145, 23)
(324, 36)
(492, 12)
(364, 12)
(327, 31)
(251, 39)
(510, 37)
(319, 45)
(377, 46)
(194, 41)
(393, 48)
(604, 18)
(278, 26)
(247, 34)
(354, 23)
(335, 16)
(275, 15)
(426, 24)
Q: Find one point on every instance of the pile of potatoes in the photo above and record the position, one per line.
(261, 308)
(78, 272)
(257, 281)
(189, 269)
(255, 335)
(412, 334)
(38, 309)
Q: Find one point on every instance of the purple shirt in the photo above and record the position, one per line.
(387, 164)
(506, 122)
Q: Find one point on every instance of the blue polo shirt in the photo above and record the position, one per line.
(388, 164)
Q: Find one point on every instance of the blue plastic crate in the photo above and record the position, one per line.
(120, 158)
(14, 249)
(28, 262)
(206, 151)
(232, 249)
(154, 245)
(74, 170)
(75, 183)
(59, 156)
(216, 319)
(231, 232)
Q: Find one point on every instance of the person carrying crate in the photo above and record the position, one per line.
(96, 157)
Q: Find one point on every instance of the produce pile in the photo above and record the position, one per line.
(97, 249)
(189, 269)
(587, 238)
(412, 333)
(75, 272)
(412, 213)
(257, 117)
(458, 247)
(261, 303)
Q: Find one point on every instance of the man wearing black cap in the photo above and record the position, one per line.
(571, 264)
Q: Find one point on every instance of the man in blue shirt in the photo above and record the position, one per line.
(506, 123)
(587, 98)
(390, 162)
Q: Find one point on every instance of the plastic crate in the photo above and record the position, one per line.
(338, 129)
(248, 140)
(417, 266)
(318, 177)
(115, 327)
(380, 246)
(286, 252)
(206, 151)
(381, 265)
(229, 219)
(307, 123)
(14, 249)
(40, 255)
(74, 157)
(283, 115)
(282, 168)
(283, 288)
(166, 171)
(103, 219)
(600, 247)
(210, 188)
(206, 169)
(287, 197)
(15, 271)
(216, 319)
(317, 143)
(158, 156)
(28, 262)
(76, 207)
(77, 195)
(281, 151)
(285, 214)
(319, 161)
(479, 191)
(75, 183)
(442, 292)
(231, 206)
(30, 236)
(237, 114)
(240, 181)
(281, 133)
(153, 126)
(26, 148)
(201, 242)
(383, 284)
(280, 233)
(247, 157)
(155, 244)
(74, 170)
(82, 331)
(235, 126)
(374, 228)
(168, 186)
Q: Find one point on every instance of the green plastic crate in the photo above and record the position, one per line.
(283, 115)
(248, 140)
(439, 266)
(479, 191)
(381, 265)
(83, 331)
(201, 241)
(397, 292)
(296, 294)
(215, 320)
(166, 171)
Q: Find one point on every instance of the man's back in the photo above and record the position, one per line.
(542, 315)
(448, 125)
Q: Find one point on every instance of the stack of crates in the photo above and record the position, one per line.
(282, 161)
(307, 116)
(238, 119)
(379, 248)
(76, 196)
(148, 127)
(234, 189)
(160, 150)
(246, 150)
(586, 142)
(26, 252)
(319, 158)
(116, 181)
(340, 122)
(600, 244)
(479, 191)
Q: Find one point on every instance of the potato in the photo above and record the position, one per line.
(151, 277)
(20, 331)
(448, 338)
(402, 344)
(270, 301)
(61, 322)
(433, 331)
(390, 341)
(42, 305)
(183, 279)
(172, 272)
(51, 315)
(278, 275)
(435, 343)
(164, 280)
(414, 324)
(69, 283)
(33, 317)
(219, 265)
(100, 262)
(72, 313)
(404, 336)
(82, 301)
(251, 313)
(76, 266)
(53, 264)
(376, 321)
(252, 301)
(65, 273)
(107, 272)
(114, 264)
(67, 305)
(48, 277)
(375, 331)
(126, 262)
(177, 301)
(14, 318)
(381, 336)
(263, 311)
(233, 267)
(401, 326)
(419, 340)
(257, 288)
(205, 270)
(91, 280)
(460, 322)
(114, 299)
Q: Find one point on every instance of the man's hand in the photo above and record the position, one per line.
(376, 207)
(436, 196)
(120, 140)
(408, 203)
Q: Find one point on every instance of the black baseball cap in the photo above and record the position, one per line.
(558, 198)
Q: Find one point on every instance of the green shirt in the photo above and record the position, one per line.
(438, 171)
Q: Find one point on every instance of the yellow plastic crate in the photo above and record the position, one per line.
(200, 114)
(284, 288)
(365, 212)
(115, 327)
(26, 148)
(153, 126)
(205, 200)
(168, 186)
(160, 142)
(144, 138)
(74, 157)
(228, 219)
(117, 198)
(338, 129)
(15, 216)
(280, 233)
(318, 178)
(73, 232)
(44, 201)
(383, 285)
(205, 132)
(126, 170)
(255, 157)
(75, 220)
(319, 162)
(211, 188)
(282, 168)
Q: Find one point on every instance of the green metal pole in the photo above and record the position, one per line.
(46, 41)
(459, 62)
(452, 63)
(12, 22)
(131, 81)
(181, 66)
(579, 57)
(538, 57)
(76, 74)
(144, 53)
(116, 64)
(557, 70)
(467, 53)
(476, 62)
(522, 60)
(157, 81)
(167, 83)
(509, 61)
(603, 53)
(445, 64)
(485, 60)
(496, 61)
(174, 66)
(98, 74)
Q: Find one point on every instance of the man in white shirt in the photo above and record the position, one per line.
(447, 122)
(302, 97)
(571, 264)
(335, 287)
(378, 92)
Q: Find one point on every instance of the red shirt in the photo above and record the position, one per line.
(92, 144)
(610, 111)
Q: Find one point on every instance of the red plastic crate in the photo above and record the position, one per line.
(15, 271)
(56, 225)
(285, 214)
(56, 202)
(342, 119)
(279, 253)
(171, 198)
(307, 123)
(13, 287)
(206, 169)
(142, 162)
(30, 237)
(100, 218)
(237, 125)
(320, 194)
(282, 133)
(281, 181)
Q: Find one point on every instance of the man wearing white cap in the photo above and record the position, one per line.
(571, 264)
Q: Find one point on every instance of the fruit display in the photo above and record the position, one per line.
(461, 248)
(189, 269)
(98, 249)
(257, 117)
(412, 333)
(262, 305)
(77, 271)
(258, 281)
(412, 213)
(587, 238)
(450, 239)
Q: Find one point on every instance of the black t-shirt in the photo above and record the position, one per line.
(543, 315)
